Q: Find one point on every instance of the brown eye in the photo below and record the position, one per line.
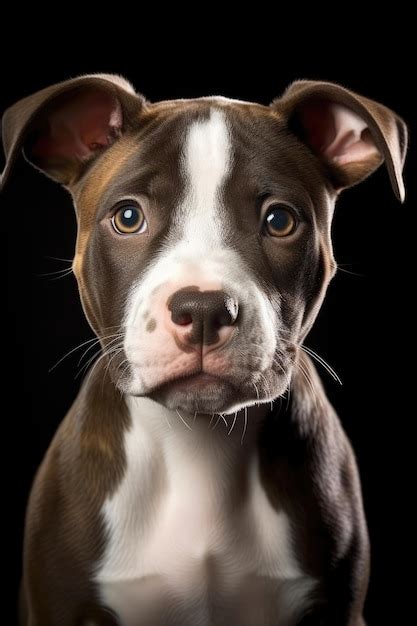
(129, 220)
(279, 221)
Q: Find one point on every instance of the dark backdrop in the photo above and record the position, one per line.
(363, 329)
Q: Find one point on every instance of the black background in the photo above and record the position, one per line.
(364, 328)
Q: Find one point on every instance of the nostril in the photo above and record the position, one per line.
(223, 319)
(183, 319)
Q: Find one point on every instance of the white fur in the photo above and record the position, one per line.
(207, 162)
(173, 532)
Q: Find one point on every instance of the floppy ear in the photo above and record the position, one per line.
(350, 134)
(63, 127)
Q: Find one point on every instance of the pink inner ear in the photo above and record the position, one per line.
(337, 133)
(79, 127)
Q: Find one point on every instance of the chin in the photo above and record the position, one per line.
(204, 393)
(201, 394)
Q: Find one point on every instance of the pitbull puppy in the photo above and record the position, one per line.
(179, 489)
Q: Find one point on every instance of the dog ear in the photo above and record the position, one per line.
(350, 134)
(63, 127)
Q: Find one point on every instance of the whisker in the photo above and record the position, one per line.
(88, 363)
(217, 421)
(71, 352)
(106, 352)
(63, 275)
(93, 345)
(117, 336)
(57, 272)
(266, 384)
(122, 363)
(57, 258)
(233, 424)
(221, 417)
(182, 419)
(257, 392)
(341, 269)
(322, 362)
(245, 425)
(317, 358)
(102, 356)
(116, 352)
(125, 368)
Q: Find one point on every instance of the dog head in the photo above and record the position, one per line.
(203, 250)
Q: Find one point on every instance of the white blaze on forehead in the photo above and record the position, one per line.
(207, 162)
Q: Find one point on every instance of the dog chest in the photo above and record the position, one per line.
(194, 540)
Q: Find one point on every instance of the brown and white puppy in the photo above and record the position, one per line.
(177, 491)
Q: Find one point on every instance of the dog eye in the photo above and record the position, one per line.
(279, 221)
(129, 220)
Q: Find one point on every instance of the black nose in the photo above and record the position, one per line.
(206, 311)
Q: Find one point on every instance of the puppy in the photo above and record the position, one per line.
(179, 489)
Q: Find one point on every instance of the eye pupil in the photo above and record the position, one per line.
(129, 216)
(129, 220)
(279, 221)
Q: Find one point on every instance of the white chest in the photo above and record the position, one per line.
(190, 543)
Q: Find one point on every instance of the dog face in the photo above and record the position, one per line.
(231, 217)
(204, 248)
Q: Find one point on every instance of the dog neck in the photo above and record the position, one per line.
(219, 446)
